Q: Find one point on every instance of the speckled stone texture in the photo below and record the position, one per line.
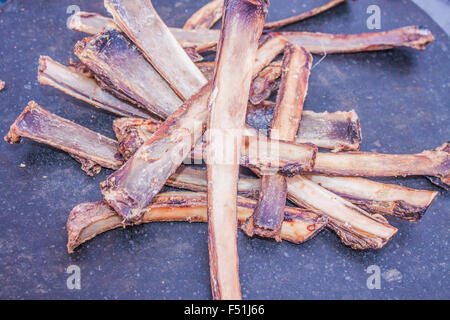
(401, 97)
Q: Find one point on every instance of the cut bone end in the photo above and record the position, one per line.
(13, 136)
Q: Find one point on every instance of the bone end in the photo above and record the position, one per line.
(13, 136)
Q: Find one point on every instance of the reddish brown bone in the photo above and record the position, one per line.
(243, 21)
(87, 220)
(322, 43)
(92, 149)
(137, 19)
(265, 83)
(316, 43)
(268, 216)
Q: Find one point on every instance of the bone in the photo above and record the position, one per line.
(137, 19)
(92, 149)
(269, 213)
(84, 88)
(121, 66)
(87, 220)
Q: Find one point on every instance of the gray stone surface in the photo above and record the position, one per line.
(402, 99)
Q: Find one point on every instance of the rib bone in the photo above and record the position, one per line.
(265, 83)
(137, 19)
(206, 16)
(320, 43)
(159, 156)
(164, 152)
(121, 66)
(83, 88)
(132, 133)
(316, 43)
(92, 149)
(88, 220)
(434, 163)
(302, 16)
(242, 26)
(355, 227)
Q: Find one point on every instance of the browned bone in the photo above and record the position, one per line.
(268, 216)
(325, 43)
(131, 188)
(320, 43)
(138, 19)
(262, 86)
(75, 82)
(372, 196)
(94, 23)
(355, 227)
(442, 181)
(89, 22)
(243, 22)
(206, 16)
(120, 49)
(376, 197)
(265, 83)
(209, 14)
(316, 43)
(121, 67)
(435, 163)
(2, 85)
(84, 88)
(338, 131)
(302, 16)
(88, 220)
(92, 149)
(267, 52)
